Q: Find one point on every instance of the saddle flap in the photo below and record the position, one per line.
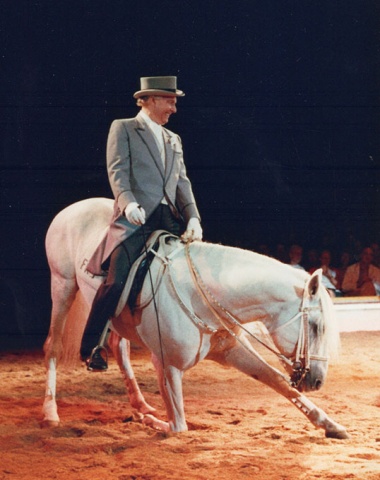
(157, 242)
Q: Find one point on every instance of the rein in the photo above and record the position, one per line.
(201, 287)
(300, 363)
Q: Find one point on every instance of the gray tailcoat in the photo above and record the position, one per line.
(136, 174)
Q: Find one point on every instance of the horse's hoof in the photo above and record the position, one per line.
(338, 434)
(50, 423)
(153, 422)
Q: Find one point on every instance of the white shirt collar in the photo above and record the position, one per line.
(155, 127)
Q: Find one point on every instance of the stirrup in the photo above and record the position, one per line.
(96, 362)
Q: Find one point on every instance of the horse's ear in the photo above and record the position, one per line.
(314, 282)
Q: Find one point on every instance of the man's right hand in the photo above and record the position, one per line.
(135, 214)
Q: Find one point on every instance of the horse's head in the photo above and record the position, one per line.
(310, 338)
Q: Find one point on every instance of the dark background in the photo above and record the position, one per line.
(280, 122)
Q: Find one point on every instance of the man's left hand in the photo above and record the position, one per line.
(193, 231)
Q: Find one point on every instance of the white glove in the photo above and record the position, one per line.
(135, 213)
(193, 231)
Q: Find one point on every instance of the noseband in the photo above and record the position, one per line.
(300, 363)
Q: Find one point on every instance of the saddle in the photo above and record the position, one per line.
(157, 242)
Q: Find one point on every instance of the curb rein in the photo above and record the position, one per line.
(300, 363)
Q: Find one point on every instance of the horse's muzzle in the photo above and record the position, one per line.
(305, 382)
(306, 379)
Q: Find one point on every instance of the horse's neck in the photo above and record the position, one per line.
(248, 284)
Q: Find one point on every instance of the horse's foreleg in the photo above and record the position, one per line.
(319, 418)
(121, 350)
(170, 382)
(49, 408)
(251, 363)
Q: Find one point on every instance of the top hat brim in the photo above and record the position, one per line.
(152, 91)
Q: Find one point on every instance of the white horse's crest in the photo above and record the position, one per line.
(205, 297)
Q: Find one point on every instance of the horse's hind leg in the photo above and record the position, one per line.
(63, 292)
(49, 408)
(121, 350)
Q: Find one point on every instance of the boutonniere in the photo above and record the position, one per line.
(171, 141)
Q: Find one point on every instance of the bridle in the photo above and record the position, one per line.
(300, 362)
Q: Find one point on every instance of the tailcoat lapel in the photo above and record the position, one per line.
(147, 137)
(169, 154)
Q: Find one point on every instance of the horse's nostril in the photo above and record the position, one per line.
(318, 384)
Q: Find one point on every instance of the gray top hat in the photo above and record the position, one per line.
(158, 86)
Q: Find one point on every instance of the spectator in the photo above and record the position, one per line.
(329, 279)
(312, 259)
(345, 260)
(376, 254)
(295, 256)
(362, 278)
(280, 253)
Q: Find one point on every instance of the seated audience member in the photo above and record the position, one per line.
(280, 253)
(345, 260)
(362, 278)
(328, 274)
(295, 256)
(376, 254)
(312, 259)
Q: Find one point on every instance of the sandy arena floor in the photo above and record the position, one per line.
(239, 429)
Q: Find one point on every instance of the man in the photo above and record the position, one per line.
(295, 256)
(329, 280)
(362, 278)
(148, 178)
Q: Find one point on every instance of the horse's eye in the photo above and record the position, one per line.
(317, 328)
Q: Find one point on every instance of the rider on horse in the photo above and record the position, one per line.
(148, 178)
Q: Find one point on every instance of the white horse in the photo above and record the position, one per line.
(204, 296)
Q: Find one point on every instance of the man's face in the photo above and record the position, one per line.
(367, 256)
(161, 108)
(325, 258)
(295, 254)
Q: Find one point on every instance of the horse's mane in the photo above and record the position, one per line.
(244, 256)
(330, 324)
